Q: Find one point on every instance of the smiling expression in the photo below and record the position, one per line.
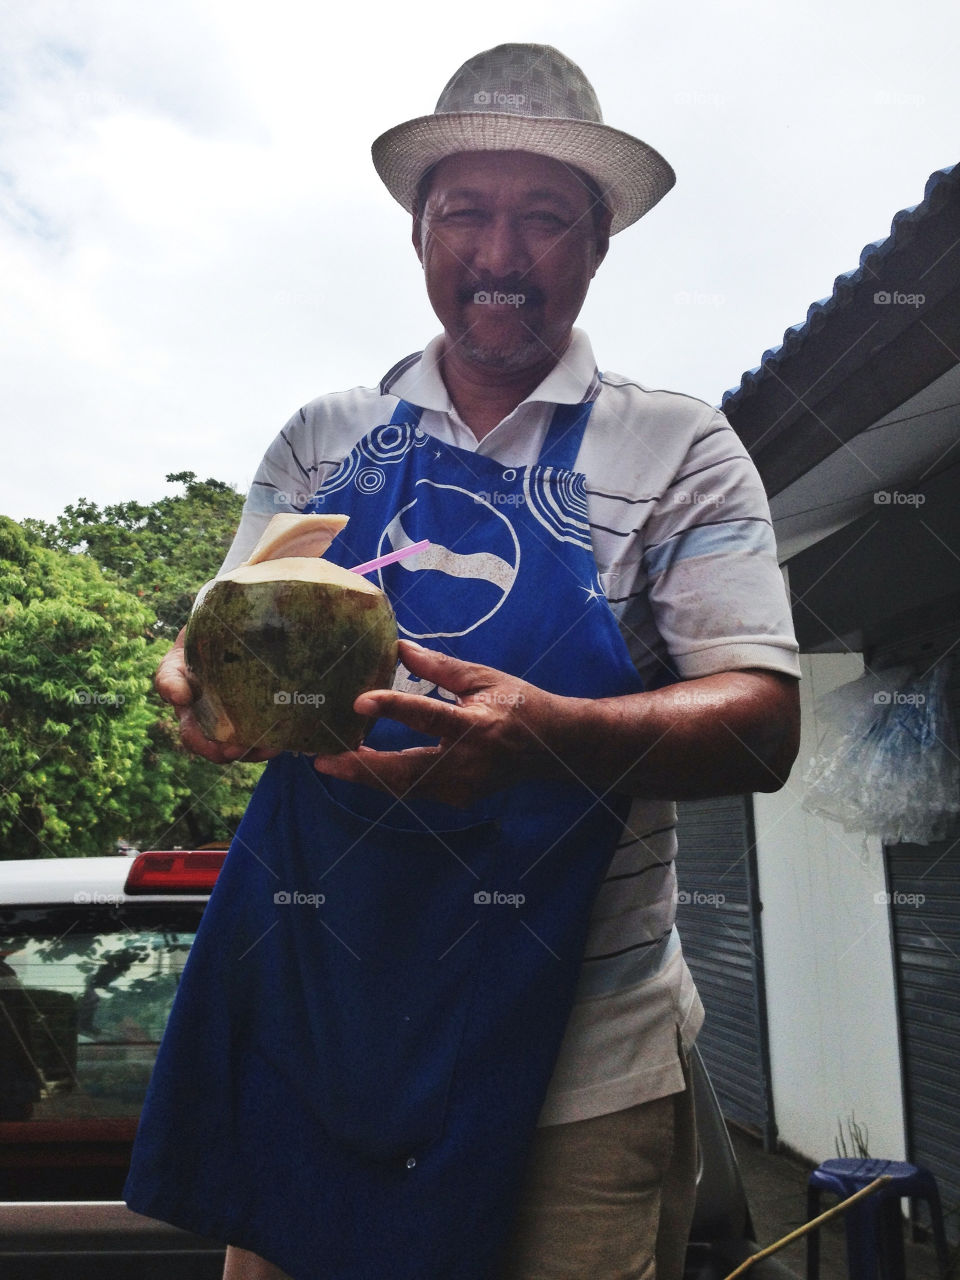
(509, 245)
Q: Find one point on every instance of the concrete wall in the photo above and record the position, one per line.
(829, 963)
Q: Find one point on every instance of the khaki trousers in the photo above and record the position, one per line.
(604, 1199)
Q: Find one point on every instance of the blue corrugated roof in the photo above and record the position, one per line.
(844, 285)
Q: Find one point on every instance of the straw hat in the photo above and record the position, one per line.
(525, 97)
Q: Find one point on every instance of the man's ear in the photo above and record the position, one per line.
(417, 234)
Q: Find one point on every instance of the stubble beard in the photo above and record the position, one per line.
(504, 355)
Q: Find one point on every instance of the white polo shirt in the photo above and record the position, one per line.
(684, 546)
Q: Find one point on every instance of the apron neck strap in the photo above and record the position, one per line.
(406, 414)
(565, 435)
(560, 446)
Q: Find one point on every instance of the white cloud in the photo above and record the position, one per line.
(193, 240)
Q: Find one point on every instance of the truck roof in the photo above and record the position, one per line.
(105, 881)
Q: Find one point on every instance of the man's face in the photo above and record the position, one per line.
(509, 245)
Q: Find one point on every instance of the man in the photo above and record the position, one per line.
(474, 1065)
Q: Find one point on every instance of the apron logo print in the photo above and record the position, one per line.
(483, 898)
(485, 553)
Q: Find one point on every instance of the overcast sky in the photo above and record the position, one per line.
(194, 242)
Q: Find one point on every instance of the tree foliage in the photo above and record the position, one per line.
(88, 606)
(164, 551)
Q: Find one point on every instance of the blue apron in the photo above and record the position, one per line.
(366, 1027)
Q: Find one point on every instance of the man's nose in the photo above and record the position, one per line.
(501, 250)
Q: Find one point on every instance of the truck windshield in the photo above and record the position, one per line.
(85, 992)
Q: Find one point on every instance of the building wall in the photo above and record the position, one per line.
(831, 997)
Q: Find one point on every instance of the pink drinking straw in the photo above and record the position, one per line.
(391, 557)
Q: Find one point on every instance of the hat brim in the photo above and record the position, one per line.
(632, 175)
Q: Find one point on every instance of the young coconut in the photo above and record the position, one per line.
(283, 644)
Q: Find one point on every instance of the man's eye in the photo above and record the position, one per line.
(546, 218)
(461, 215)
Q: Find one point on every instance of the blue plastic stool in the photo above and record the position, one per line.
(874, 1225)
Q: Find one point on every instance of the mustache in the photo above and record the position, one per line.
(532, 296)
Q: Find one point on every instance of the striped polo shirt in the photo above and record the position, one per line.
(684, 546)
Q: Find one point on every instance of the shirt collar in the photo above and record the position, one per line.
(573, 380)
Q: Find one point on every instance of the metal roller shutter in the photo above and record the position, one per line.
(718, 916)
(923, 882)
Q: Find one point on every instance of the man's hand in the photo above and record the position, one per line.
(487, 738)
(724, 734)
(174, 685)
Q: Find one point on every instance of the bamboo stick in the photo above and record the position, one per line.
(812, 1225)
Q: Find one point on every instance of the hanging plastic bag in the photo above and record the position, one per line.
(887, 763)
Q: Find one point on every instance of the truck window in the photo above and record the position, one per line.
(85, 992)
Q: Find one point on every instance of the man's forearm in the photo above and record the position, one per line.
(725, 734)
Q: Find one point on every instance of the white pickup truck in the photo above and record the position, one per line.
(91, 951)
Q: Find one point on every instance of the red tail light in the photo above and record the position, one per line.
(174, 871)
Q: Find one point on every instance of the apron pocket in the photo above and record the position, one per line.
(388, 963)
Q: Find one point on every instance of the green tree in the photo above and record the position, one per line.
(74, 676)
(99, 596)
(163, 551)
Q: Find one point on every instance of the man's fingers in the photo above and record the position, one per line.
(172, 680)
(449, 673)
(392, 771)
(174, 687)
(431, 716)
(196, 741)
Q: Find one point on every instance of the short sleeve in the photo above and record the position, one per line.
(710, 560)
